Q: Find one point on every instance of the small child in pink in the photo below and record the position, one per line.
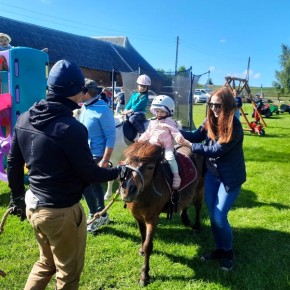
(163, 131)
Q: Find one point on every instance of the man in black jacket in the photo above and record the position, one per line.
(54, 147)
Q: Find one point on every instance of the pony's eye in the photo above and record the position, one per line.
(150, 167)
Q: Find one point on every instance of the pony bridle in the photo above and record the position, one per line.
(127, 171)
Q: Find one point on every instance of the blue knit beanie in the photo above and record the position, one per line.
(65, 79)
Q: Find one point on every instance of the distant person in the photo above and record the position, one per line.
(163, 131)
(239, 104)
(136, 107)
(54, 147)
(99, 121)
(5, 40)
(120, 101)
(220, 140)
(109, 96)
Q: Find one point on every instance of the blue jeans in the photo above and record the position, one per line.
(137, 120)
(94, 195)
(219, 202)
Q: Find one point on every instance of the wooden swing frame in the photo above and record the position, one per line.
(239, 85)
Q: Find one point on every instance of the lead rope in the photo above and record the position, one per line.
(4, 218)
(105, 209)
(3, 221)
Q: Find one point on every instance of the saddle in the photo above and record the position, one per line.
(130, 131)
(188, 174)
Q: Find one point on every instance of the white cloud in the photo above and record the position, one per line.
(223, 40)
(243, 75)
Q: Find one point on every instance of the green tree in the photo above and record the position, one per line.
(282, 83)
(182, 71)
(166, 76)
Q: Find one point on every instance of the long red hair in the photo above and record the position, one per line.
(221, 128)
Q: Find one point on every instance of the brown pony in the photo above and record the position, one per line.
(147, 192)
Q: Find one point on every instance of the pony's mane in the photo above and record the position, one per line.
(143, 152)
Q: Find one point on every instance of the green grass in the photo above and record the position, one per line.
(259, 218)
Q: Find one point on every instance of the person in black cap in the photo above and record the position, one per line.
(54, 147)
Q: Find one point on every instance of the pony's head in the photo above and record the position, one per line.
(141, 161)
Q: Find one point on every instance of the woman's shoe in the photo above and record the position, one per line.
(214, 255)
(227, 262)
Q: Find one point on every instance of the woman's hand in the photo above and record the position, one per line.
(186, 143)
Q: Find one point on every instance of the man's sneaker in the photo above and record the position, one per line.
(102, 220)
(90, 217)
(227, 262)
(214, 255)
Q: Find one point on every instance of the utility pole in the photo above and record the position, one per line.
(176, 57)
(248, 70)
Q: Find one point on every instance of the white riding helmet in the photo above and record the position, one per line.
(163, 102)
(144, 80)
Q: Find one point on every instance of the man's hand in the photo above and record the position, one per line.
(122, 169)
(18, 207)
(105, 163)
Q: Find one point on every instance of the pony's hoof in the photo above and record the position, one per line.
(196, 229)
(185, 220)
(144, 283)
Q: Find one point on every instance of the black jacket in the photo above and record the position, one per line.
(54, 147)
(229, 157)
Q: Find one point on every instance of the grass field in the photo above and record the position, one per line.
(259, 218)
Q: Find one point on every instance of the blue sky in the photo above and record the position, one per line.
(215, 35)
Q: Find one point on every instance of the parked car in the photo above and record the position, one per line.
(151, 96)
(199, 97)
(208, 93)
(201, 91)
(117, 90)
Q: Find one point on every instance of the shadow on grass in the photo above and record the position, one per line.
(4, 199)
(112, 229)
(261, 256)
(248, 198)
(261, 259)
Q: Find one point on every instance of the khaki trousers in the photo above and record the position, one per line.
(61, 237)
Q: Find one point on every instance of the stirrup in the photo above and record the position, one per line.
(175, 197)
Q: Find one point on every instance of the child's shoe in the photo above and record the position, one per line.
(176, 181)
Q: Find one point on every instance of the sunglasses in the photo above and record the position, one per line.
(84, 90)
(142, 86)
(216, 105)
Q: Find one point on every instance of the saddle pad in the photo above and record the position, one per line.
(187, 170)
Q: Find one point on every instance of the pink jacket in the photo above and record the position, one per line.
(162, 132)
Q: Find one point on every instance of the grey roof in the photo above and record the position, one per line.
(104, 53)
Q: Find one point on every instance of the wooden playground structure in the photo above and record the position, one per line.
(239, 85)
